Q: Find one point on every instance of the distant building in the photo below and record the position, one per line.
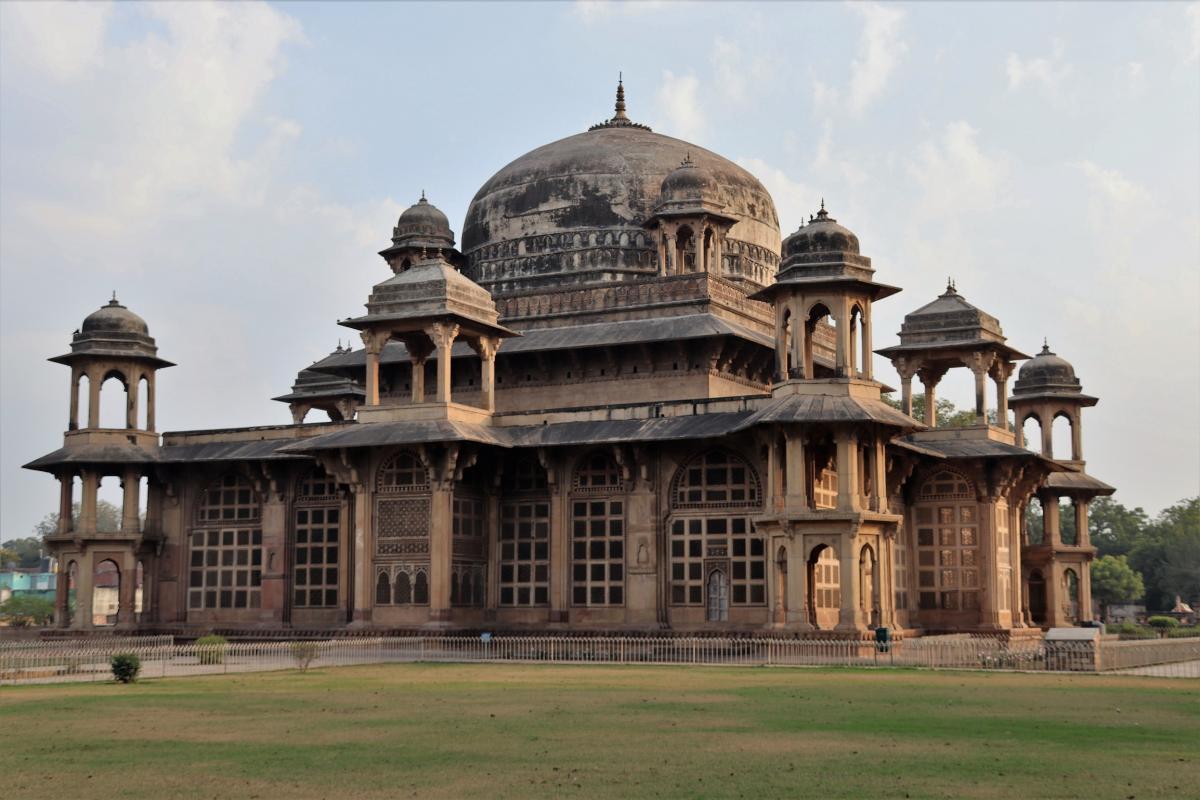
(27, 582)
(626, 403)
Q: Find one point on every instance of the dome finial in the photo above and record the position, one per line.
(822, 214)
(620, 106)
(423, 200)
(1045, 345)
(114, 301)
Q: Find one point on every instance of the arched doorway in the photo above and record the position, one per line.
(718, 596)
(824, 588)
(1037, 596)
(106, 593)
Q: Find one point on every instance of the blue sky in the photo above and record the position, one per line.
(232, 169)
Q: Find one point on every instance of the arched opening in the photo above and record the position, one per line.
(113, 401)
(1068, 533)
(868, 586)
(139, 585)
(106, 593)
(1060, 436)
(1035, 530)
(854, 330)
(685, 250)
(110, 504)
(826, 334)
(80, 402)
(789, 360)
(705, 251)
(455, 597)
(1037, 596)
(143, 397)
(824, 588)
(1031, 433)
(421, 589)
(143, 501)
(383, 590)
(1071, 595)
(403, 594)
(717, 596)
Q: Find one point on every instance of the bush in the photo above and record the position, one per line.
(1183, 633)
(1163, 624)
(125, 667)
(305, 653)
(211, 649)
(22, 611)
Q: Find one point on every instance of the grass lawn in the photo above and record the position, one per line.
(421, 730)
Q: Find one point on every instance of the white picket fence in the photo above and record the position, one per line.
(88, 659)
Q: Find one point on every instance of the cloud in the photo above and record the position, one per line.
(956, 175)
(737, 75)
(880, 49)
(64, 40)
(794, 200)
(1049, 73)
(599, 10)
(678, 99)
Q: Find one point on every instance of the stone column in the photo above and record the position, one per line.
(130, 483)
(850, 617)
(73, 420)
(1076, 437)
(797, 588)
(1083, 536)
(443, 335)
(879, 479)
(94, 399)
(1047, 435)
(980, 392)
(867, 369)
(795, 492)
(493, 554)
(989, 568)
(1017, 603)
(929, 379)
(300, 411)
(131, 402)
(853, 369)
(1002, 374)
(718, 253)
(1085, 592)
(642, 591)
(841, 361)
(486, 347)
(373, 343)
(782, 339)
(84, 581)
(1051, 530)
(670, 267)
(87, 503)
(441, 546)
(275, 599)
(560, 544)
(364, 586)
(847, 470)
(150, 402)
(62, 596)
(66, 502)
(801, 355)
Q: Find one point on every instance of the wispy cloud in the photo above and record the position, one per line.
(880, 49)
(678, 100)
(1048, 72)
(598, 10)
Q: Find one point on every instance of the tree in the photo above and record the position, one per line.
(947, 414)
(27, 552)
(1114, 528)
(8, 556)
(108, 518)
(1114, 581)
(1167, 554)
(22, 610)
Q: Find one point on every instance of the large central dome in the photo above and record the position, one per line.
(571, 212)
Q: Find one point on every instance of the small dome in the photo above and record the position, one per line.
(822, 234)
(688, 183)
(1046, 371)
(114, 318)
(423, 223)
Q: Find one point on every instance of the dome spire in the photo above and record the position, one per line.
(620, 106)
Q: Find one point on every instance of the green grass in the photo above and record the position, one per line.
(545, 731)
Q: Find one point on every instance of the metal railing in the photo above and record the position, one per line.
(88, 659)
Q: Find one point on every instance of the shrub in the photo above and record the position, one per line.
(210, 649)
(1163, 624)
(1183, 633)
(125, 667)
(22, 611)
(305, 653)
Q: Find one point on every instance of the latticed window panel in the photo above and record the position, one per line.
(827, 580)
(716, 479)
(948, 553)
(825, 489)
(729, 539)
(225, 568)
(315, 557)
(598, 553)
(316, 486)
(402, 473)
(402, 525)
(900, 565)
(404, 585)
(231, 499)
(596, 473)
(525, 553)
